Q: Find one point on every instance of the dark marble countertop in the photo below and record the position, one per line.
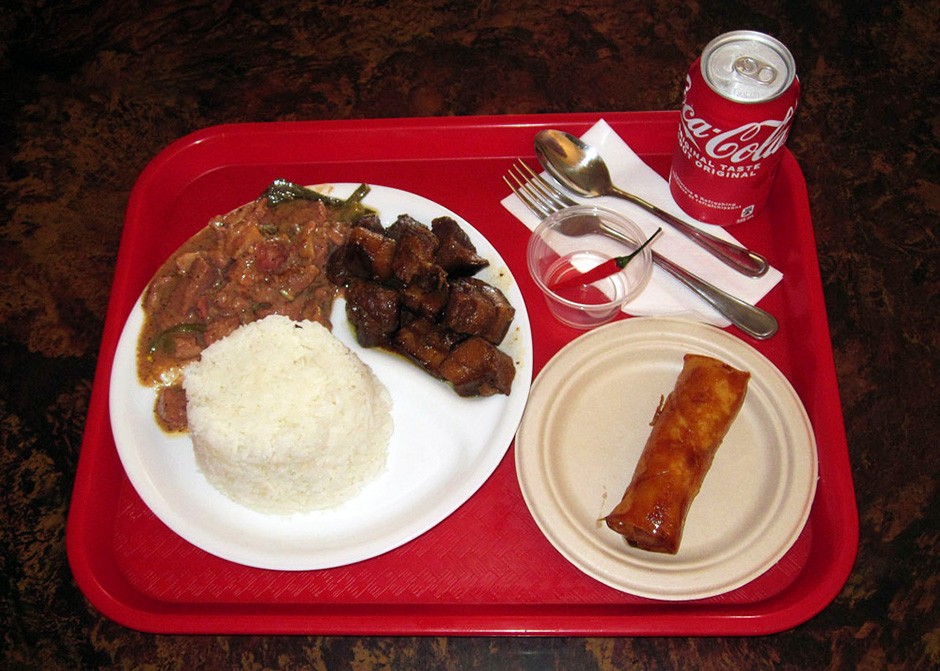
(93, 91)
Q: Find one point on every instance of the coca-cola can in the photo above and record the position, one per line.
(740, 98)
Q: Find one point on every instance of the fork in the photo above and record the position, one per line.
(543, 199)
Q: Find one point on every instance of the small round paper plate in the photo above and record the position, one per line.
(585, 426)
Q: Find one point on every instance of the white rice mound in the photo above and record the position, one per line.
(285, 418)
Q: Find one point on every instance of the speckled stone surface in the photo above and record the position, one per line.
(92, 91)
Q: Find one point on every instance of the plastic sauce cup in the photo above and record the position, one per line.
(575, 240)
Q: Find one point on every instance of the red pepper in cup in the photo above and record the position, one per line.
(605, 269)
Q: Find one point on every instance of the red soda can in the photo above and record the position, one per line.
(740, 98)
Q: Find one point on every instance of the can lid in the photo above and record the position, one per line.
(747, 66)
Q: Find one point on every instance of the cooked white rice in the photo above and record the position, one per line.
(285, 418)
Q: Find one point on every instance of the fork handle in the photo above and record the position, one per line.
(743, 260)
(751, 319)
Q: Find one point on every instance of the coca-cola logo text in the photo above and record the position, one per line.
(744, 143)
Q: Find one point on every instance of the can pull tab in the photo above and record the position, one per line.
(755, 69)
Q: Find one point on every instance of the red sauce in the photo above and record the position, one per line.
(255, 261)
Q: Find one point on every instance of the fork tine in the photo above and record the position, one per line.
(522, 193)
(532, 198)
(535, 192)
(546, 188)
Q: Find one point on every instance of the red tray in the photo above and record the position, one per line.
(486, 569)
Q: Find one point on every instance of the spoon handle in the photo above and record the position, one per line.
(749, 318)
(743, 260)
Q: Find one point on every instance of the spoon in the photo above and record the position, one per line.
(580, 168)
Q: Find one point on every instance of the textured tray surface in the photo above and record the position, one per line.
(486, 568)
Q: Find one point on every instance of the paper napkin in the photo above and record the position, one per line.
(664, 295)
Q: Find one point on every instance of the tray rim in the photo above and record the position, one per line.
(90, 564)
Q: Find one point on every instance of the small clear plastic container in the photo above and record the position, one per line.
(575, 240)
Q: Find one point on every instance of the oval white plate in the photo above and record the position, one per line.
(585, 427)
(443, 449)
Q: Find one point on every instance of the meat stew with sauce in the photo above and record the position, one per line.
(292, 252)
(257, 260)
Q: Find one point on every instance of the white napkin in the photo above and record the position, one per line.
(664, 295)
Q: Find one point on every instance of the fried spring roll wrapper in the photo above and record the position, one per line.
(687, 431)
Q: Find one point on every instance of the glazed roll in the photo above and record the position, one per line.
(687, 431)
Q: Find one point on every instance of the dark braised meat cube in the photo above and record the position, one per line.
(407, 224)
(430, 279)
(370, 222)
(455, 253)
(427, 302)
(414, 253)
(336, 270)
(477, 368)
(477, 308)
(373, 310)
(369, 254)
(424, 342)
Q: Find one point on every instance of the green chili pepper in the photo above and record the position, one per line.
(283, 191)
(164, 339)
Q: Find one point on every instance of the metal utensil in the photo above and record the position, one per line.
(579, 167)
(543, 199)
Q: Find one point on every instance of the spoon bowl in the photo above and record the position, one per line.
(580, 168)
(575, 165)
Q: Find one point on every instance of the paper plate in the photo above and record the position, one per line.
(585, 427)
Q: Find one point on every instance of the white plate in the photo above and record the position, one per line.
(443, 449)
(582, 434)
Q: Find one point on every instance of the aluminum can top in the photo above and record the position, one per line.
(747, 67)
